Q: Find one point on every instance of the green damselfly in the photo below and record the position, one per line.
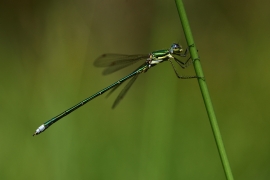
(115, 62)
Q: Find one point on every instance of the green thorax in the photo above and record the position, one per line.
(160, 54)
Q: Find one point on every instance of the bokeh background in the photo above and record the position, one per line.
(161, 129)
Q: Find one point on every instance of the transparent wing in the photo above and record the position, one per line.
(124, 91)
(112, 90)
(115, 62)
(126, 88)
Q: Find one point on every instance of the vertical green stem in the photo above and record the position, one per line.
(204, 90)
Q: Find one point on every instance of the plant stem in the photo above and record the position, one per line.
(204, 89)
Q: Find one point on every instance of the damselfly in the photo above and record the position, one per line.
(115, 62)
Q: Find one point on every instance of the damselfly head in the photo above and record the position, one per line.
(176, 48)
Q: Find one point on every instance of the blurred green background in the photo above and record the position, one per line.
(161, 129)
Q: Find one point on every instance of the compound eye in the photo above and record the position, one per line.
(176, 48)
